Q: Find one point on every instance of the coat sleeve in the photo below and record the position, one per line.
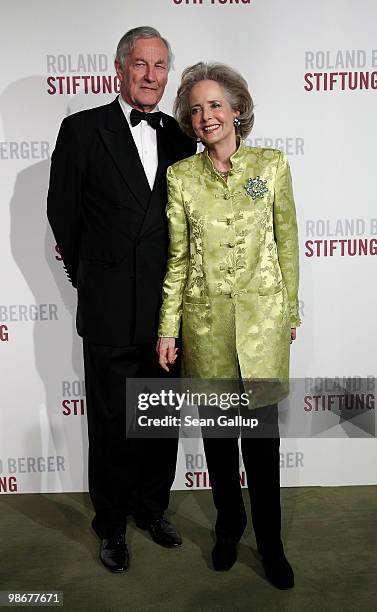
(286, 235)
(64, 197)
(178, 259)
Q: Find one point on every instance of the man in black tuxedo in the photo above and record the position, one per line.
(106, 207)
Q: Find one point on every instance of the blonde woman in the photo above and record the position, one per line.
(232, 280)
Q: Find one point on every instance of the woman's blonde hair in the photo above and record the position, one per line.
(234, 85)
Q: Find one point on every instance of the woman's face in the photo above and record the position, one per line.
(211, 114)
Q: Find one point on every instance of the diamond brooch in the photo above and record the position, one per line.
(256, 187)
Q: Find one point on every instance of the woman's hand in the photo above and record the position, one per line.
(167, 352)
(293, 334)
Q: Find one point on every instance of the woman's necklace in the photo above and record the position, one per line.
(223, 173)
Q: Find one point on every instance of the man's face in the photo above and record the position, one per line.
(145, 74)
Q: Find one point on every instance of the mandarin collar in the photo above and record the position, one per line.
(235, 159)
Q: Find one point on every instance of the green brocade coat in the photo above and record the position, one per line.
(232, 274)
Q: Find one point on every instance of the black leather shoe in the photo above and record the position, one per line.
(114, 554)
(278, 571)
(162, 532)
(224, 555)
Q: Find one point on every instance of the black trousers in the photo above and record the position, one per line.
(126, 476)
(261, 459)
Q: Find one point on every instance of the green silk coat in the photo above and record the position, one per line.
(232, 273)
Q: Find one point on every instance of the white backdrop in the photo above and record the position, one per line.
(312, 70)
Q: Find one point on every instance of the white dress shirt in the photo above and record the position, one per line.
(145, 138)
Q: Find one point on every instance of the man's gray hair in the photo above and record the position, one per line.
(127, 43)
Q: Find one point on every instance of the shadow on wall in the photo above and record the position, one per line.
(29, 114)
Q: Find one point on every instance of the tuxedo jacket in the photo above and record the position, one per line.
(110, 226)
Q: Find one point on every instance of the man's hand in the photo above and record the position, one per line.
(167, 352)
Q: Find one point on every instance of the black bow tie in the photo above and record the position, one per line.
(154, 119)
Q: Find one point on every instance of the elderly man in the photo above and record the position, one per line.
(106, 207)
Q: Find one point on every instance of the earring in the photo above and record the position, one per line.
(236, 122)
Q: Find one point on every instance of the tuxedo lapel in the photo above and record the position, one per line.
(120, 144)
(164, 154)
(155, 214)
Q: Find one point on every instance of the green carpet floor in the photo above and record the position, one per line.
(330, 537)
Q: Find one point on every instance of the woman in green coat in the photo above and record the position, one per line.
(232, 281)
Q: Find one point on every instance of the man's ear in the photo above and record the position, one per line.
(119, 70)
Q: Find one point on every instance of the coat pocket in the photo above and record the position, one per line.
(189, 299)
(196, 320)
(271, 290)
